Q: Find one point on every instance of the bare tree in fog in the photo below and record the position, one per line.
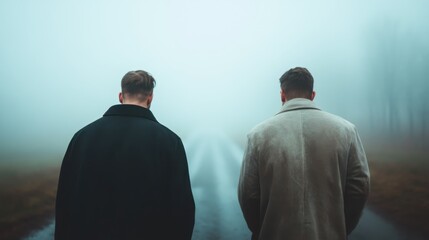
(423, 103)
(398, 80)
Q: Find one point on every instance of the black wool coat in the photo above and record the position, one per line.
(124, 176)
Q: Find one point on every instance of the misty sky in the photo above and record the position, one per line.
(217, 63)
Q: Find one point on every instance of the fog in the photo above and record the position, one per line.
(217, 63)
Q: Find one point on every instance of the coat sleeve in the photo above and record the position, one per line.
(183, 216)
(357, 183)
(249, 188)
(65, 190)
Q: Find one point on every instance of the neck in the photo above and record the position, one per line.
(138, 103)
(287, 100)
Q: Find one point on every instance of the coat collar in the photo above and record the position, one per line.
(130, 111)
(298, 103)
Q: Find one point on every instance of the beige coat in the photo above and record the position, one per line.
(304, 175)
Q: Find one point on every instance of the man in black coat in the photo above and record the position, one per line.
(125, 176)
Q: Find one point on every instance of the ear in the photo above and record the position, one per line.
(283, 96)
(313, 95)
(149, 100)
(121, 98)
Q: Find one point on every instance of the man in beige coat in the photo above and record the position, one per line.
(304, 174)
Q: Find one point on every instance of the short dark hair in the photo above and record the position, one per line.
(138, 84)
(297, 82)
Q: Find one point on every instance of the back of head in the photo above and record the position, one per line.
(297, 83)
(137, 85)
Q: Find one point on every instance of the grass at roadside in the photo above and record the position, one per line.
(400, 186)
(27, 199)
